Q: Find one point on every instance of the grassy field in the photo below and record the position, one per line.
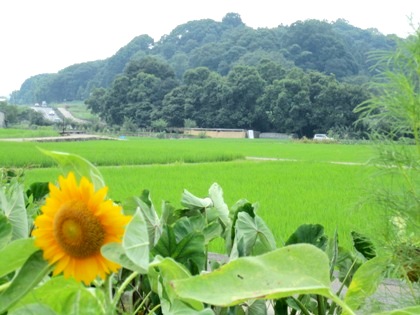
(28, 133)
(305, 188)
(288, 193)
(139, 151)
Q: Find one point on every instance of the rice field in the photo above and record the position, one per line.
(140, 151)
(28, 133)
(303, 187)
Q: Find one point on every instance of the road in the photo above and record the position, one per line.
(66, 114)
(48, 113)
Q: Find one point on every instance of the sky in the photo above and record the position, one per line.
(45, 36)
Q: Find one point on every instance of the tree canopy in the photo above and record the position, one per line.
(303, 78)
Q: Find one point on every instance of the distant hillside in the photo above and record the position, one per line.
(331, 48)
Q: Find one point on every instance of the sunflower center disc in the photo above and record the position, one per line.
(77, 230)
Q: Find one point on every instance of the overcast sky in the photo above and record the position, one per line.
(44, 36)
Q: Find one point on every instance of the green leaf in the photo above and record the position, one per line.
(216, 195)
(294, 269)
(192, 202)
(33, 309)
(38, 191)
(116, 253)
(257, 307)
(168, 214)
(67, 296)
(190, 250)
(365, 282)
(310, 234)
(180, 308)
(136, 241)
(32, 272)
(186, 225)
(363, 245)
(12, 202)
(253, 235)
(5, 231)
(144, 203)
(17, 252)
(80, 166)
(332, 252)
(170, 270)
(212, 231)
(412, 310)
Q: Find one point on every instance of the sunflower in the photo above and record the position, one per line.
(75, 223)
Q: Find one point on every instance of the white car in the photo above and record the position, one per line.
(322, 137)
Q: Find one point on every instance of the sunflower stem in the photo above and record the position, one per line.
(107, 287)
(121, 289)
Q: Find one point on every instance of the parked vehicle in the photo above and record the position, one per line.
(322, 137)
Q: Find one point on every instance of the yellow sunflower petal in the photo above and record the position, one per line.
(74, 224)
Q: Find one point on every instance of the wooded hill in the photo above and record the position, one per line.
(302, 78)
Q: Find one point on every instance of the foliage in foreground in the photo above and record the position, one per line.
(394, 113)
(166, 267)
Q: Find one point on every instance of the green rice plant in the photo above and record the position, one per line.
(137, 151)
(28, 133)
(288, 193)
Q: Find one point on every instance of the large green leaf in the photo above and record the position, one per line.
(257, 307)
(412, 310)
(186, 225)
(310, 234)
(252, 235)
(363, 245)
(216, 195)
(136, 241)
(192, 202)
(365, 282)
(67, 296)
(80, 166)
(12, 202)
(144, 203)
(17, 252)
(190, 250)
(116, 253)
(33, 309)
(180, 308)
(38, 190)
(32, 272)
(5, 231)
(168, 216)
(295, 269)
(169, 270)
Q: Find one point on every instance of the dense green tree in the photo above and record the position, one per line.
(314, 45)
(174, 107)
(336, 48)
(270, 71)
(246, 86)
(11, 113)
(232, 19)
